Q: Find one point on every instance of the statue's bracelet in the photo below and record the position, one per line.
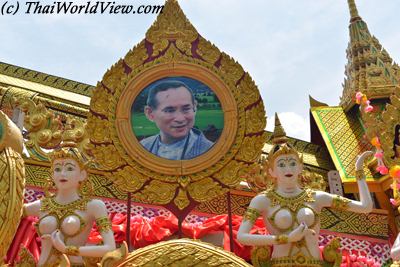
(281, 239)
(360, 175)
(72, 250)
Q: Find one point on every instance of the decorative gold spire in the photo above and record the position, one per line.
(353, 10)
(370, 69)
(279, 135)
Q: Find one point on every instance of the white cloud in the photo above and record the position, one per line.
(294, 125)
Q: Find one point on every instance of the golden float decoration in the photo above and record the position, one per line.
(173, 47)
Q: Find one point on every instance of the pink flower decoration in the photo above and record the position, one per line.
(384, 170)
(393, 202)
(359, 96)
(379, 155)
(369, 108)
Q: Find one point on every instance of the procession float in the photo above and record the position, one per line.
(166, 162)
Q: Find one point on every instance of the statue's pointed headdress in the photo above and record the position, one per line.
(280, 143)
(279, 135)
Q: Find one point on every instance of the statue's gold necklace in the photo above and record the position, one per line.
(292, 203)
(51, 206)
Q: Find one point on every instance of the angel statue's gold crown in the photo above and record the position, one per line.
(280, 144)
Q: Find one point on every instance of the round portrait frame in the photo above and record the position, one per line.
(176, 167)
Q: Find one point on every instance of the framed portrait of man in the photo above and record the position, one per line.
(177, 118)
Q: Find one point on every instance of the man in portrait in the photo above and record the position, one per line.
(172, 106)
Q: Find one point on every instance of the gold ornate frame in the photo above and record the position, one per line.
(174, 48)
(174, 167)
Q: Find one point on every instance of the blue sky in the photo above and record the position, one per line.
(291, 48)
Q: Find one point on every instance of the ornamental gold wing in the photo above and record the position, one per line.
(12, 182)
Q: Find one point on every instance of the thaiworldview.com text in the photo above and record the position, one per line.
(72, 8)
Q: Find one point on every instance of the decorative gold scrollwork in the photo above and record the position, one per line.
(255, 118)
(232, 70)
(232, 173)
(171, 25)
(248, 151)
(208, 51)
(98, 129)
(129, 179)
(182, 201)
(136, 56)
(205, 189)
(158, 192)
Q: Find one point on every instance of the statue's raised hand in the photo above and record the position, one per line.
(361, 158)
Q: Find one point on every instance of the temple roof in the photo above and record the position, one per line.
(343, 135)
(370, 69)
(45, 79)
(59, 94)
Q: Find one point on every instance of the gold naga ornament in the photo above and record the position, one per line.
(12, 182)
(173, 48)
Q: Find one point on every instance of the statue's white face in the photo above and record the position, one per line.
(286, 169)
(67, 174)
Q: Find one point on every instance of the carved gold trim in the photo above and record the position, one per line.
(173, 167)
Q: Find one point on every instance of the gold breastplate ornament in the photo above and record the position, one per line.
(292, 204)
(60, 211)
(52, 207)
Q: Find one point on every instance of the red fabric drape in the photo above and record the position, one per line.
(27, 237)
(145, 231)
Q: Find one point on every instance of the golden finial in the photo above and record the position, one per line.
(279, 135)
(353, 10)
